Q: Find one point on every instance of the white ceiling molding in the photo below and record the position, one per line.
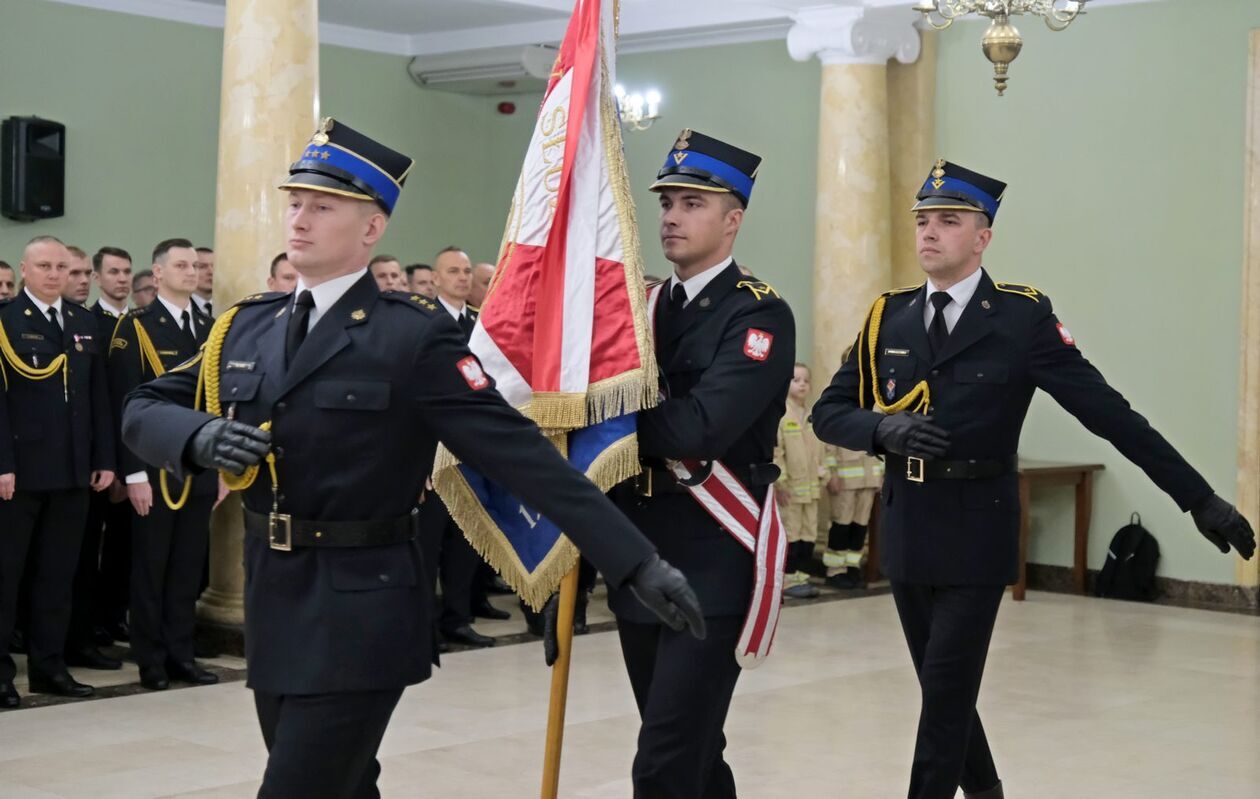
(646, 25)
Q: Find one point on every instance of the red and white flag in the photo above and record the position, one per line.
(564, 330)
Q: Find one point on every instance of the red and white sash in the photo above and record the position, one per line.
(759, 530)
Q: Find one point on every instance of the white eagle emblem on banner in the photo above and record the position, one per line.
(757, 344)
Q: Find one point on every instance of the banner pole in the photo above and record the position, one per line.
(559, 685)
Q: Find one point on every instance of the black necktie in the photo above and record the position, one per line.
(296, 332)
(677, 298)
(52, 317)
(466, 324)
(209, 308)
(938, 331)
(185, 324)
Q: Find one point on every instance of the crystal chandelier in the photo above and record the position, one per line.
(638, 111)
(1001, 42)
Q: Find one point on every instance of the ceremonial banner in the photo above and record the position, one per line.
(563, 330)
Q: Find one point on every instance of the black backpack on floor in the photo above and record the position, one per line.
(1129, 572)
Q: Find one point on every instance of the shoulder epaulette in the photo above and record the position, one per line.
(417, 301)
(474, 308)
(138, 311)
(651, 284)
(902, 290)
(760, 289)
(266, 296)
(1027, 292)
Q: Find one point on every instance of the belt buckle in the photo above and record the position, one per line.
(914, 469)
(283, 523)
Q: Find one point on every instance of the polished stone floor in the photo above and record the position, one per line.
(1082, 698)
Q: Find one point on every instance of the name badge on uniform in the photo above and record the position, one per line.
(239, 366)
(33, 336)
(896, 352)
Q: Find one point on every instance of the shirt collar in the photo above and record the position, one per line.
(696, 283)
(458, 313)
(115, 311)
(327, 293)
(962, 291)
(200, 302)
(41, 305)
(174, 310)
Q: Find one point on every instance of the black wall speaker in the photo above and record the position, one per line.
(33, 168)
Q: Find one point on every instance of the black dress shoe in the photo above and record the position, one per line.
(497, 586)
(154, 678)
(101, 636)
(847, 580)
(466, 635)
(89, 657)
(60, 685)
(190, 672)
(487, 611)
(9, 698)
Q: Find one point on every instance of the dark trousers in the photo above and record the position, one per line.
(96, 598)
(948, 630)
(683, 688)
(167, 557)
(114, 585)
(47, 526)
(323, 746)
(452, 559)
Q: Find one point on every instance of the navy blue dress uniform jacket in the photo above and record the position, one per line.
(128, 368)
(1006, 344)
(52, 441)
(722, 403)
(356, 420)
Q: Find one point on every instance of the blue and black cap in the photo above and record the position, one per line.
(340, 160)
(952, 188)
(697, 161)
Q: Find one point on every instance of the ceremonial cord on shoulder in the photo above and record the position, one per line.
(208, 384)
(920, 396)
(22, 368)
(149, 354)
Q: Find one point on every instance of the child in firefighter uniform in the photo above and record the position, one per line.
(851, 482)
(798, 454)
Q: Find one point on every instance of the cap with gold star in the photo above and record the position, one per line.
(950, 187)
(701, 162)
(340, 160)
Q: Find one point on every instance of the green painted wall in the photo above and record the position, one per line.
(140, 101)
(1122, 140)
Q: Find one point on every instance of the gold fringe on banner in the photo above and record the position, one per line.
(617, 463)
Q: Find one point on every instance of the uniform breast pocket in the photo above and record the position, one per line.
(237, 387)
(981, 372)
(352, 395)
(898, 374)
(693, 357)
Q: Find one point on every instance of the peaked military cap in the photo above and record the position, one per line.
(340, 160)
(953, 188)
(701, 162)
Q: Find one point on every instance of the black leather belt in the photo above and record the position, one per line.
(283, 532)
(918, 470)
(655, 480)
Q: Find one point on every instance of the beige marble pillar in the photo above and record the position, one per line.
(852, 233)
(912, 149)
(1248, 572)
(268, 109)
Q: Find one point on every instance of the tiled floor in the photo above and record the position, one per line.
(1083, 698)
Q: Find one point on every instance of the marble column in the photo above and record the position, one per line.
(852, 234)
(268, 108)
(1248, 572)
(912, 149)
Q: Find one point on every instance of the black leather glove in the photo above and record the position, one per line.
(228, 445)
(664, 590)
(911, 435)
(1222, 524)
(551, 623)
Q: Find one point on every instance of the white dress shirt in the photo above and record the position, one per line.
(201, 303)
(961, 293)
(43, 306)
(109, 307)
(458, 313)
(326, 294)
(696, 283)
